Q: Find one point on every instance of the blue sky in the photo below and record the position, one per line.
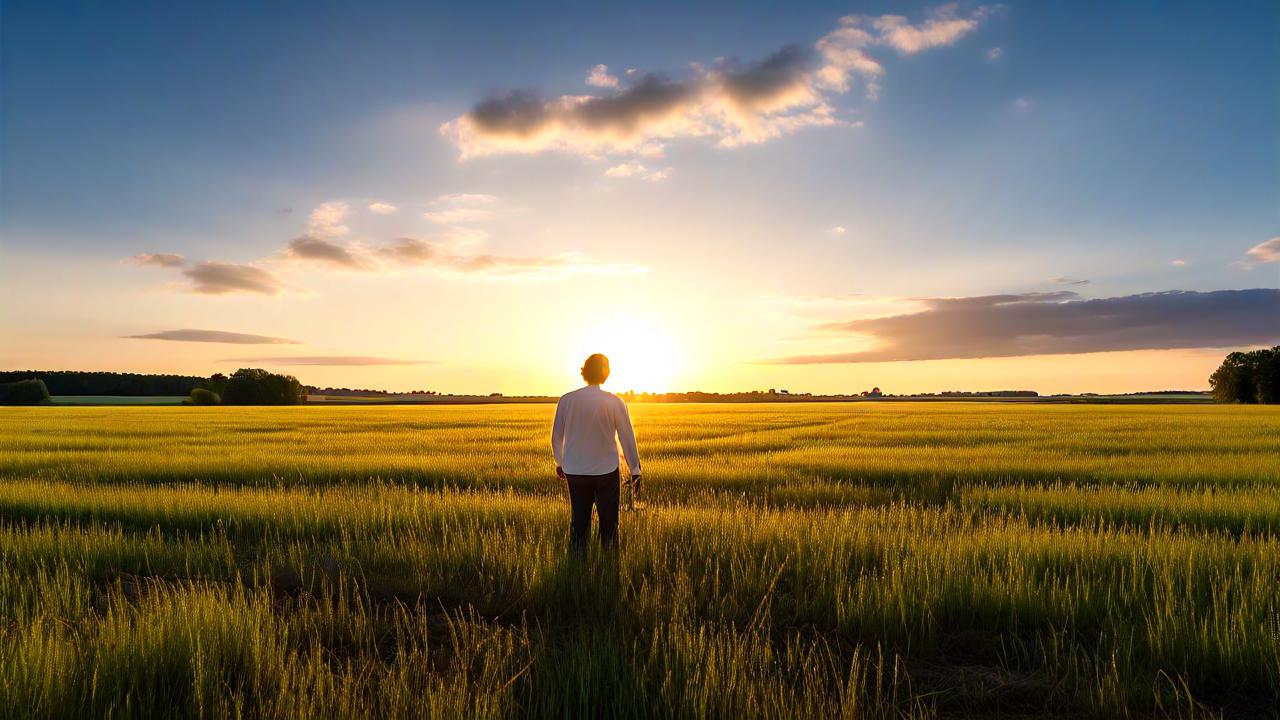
(1099, 142)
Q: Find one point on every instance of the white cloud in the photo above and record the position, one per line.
(995, 54)
(1178, 263)
(464, 200)
(636, 169)
(839, 230)
(1023, 104)
(600, 77)
(326, 220)
(450, 216)
(381, 208)
(426, 254)
(727, 103)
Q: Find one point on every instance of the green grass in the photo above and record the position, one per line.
(857, 560)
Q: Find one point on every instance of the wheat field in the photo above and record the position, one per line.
(799, 560)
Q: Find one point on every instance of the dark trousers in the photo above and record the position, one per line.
(598, 490)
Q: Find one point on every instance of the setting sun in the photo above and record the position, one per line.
(644, 356)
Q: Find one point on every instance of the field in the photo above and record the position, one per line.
(825, 560)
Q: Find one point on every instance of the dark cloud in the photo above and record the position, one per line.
(775, 77)
(219, 278)
(1062, 323)
(214, 336)
(354, 360)
(319, 249)
(1069, 281)
(409, 251)
(168, 260)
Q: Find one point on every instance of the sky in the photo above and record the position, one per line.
(471, 197)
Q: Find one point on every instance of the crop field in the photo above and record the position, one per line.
(800, 560)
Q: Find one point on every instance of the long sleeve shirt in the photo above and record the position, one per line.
(590, 424)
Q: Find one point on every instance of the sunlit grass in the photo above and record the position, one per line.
(795, 561)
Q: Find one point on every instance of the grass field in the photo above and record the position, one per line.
(825, 560)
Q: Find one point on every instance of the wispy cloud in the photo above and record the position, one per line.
(839, 230)
(353, 360)
(995, 54)
(450, 216)
(1061, 280)
(415, 252)
(220, 278)
(381, 208)
(214, 336)
(1061, 323)
(728, 102)
(1267, 251)
(1178, 263)
(637, 169)
(168, 260)
(464, 200)
(600, 77)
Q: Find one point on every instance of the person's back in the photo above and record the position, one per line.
(589, 425)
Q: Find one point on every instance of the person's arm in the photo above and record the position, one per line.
(557, 438)
(627, 437)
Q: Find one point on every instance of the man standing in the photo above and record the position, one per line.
(589, 425)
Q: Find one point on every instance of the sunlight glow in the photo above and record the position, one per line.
(643, 354)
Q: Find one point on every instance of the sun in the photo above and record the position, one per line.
(643, 354)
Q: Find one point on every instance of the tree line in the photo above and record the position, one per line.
(246, 386)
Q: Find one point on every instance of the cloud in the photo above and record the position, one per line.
(995, 54)
(414, 252)
(839, 230)
(381, 208)
(600, 77)
(1068, 281)
(214, 336)
(464, 199)
(727, 103)
(326, 220)
(1023, 104)
(219, 278)
(634, 168)
(1267, 251)
(318, 249)
(353, 360)
(451, 216)
(1178, 263)
(169, 260)
(943, 25)
(1062, 323)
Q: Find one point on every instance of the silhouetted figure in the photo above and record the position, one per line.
(589, 425)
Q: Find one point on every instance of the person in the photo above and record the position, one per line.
(590, 424)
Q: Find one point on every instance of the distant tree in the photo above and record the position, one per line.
(1248, 377)
(202, 396)
(217, 383)
(23, 392)
(254, 386)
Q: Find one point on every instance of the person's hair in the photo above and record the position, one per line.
(596, 369)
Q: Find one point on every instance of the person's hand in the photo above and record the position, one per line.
(560, 474)
(635, 484)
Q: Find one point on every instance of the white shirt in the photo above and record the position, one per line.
(589, 425)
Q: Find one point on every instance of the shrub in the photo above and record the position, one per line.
(254, 386)
(202, 396)
(23, 392)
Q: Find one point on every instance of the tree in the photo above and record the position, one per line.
(23, 392)
(202, 396)
(254, 386)
(1248, 377)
